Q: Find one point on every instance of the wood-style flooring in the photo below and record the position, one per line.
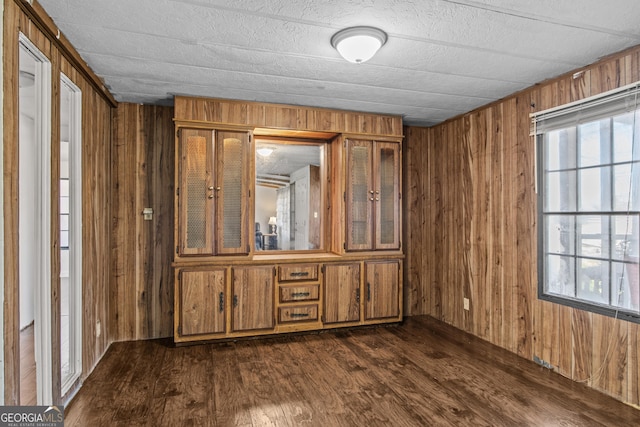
(420, 373)
(28, 387)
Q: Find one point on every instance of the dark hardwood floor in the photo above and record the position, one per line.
(421, 373)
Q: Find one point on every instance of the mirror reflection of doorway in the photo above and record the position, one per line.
(34, 224)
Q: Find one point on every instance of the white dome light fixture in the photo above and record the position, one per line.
(264, 151)
(358, 44)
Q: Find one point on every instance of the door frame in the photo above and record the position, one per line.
(43, 310)
(75, 230)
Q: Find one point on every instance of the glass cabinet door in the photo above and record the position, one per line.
(359, 196)
(213, 192)
(195, 192)
(372, 195)
(387, 195)
(232, 193)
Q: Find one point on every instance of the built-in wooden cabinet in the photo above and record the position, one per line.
(334, 259)
(372, 195)
(381, 292)
(201, 299)
(341, 293)
(299, 296)
(253, 293)
(212, 187)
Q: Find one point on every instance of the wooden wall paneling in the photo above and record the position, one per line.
(122, 320)
(427, 233)
(159, 232)
(459, 224)
(96, 168)
(436, 210)
(478, 227)
(450, 238)
(525, 227)
(141, 305)
(413, 219)
(632, 67)
(10, 205)
(449, 235)
(509, 213)
(140, 176)
(608, 75)
(581, 333)
(610, 356)
(467, 196)
(498, 250)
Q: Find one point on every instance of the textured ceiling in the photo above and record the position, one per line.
(442, 58)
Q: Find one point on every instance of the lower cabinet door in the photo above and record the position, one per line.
(382, 281)
(253, 298)
(202, 302)
(341, 293)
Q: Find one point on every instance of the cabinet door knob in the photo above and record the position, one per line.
(211, 187)
(218, 188)
(211, 196)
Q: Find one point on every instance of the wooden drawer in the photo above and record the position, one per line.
(290, 273)
(303, 313)
(290, 293)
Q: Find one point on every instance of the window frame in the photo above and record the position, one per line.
(562, 116)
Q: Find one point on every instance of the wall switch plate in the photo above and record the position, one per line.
(465, 301)
(147, 214)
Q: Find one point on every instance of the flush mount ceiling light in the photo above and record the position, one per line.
(358, 44)
(264, 151)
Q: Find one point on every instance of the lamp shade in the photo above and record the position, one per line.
(358, 44)
(272, 220)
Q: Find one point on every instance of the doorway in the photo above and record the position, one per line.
(34, 225)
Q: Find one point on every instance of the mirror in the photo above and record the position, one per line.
(288, 195)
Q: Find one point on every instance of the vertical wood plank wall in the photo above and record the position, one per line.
(470, 231)
(96, 193)
(141, 295)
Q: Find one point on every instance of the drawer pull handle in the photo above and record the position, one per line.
(300, 294)
(299, 315)
(299, 273)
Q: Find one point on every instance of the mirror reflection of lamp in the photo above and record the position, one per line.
(272, 225)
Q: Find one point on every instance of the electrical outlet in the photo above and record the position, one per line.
(465, 301)
(98, 328)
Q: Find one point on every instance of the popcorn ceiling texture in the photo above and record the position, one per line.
(443, 58)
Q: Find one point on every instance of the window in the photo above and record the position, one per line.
(589, 204)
